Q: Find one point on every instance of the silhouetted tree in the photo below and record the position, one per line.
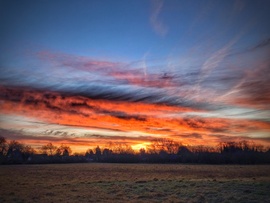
(142, 151)
(89, 155)
(119, 148)
(27, 152)
(231, 147)
(161, 151)
(183, 150)
(98, 153)
(164, 145)
(107, 152)
(63, 150)
(3, 146)
(14, 153)
(49, 149)
(3, 149)
(184, 154)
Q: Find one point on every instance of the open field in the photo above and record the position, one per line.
(134, 183)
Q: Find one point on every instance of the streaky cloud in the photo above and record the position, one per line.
(158, 26)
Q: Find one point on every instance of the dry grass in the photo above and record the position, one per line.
(134, 183)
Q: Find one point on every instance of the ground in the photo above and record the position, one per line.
(93, 182)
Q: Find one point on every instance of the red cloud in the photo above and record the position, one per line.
(152, 119)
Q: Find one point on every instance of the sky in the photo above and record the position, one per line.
(87, 73)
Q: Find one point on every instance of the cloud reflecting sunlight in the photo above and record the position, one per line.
(96, 73)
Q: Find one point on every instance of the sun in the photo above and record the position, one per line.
(137, 147)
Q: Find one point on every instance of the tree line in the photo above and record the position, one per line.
(159, 151)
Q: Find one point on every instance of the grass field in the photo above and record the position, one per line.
(134, 183)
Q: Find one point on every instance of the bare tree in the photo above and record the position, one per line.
(98, 153)
(14, 146)
(164, 145)
(142, 151)
(107, 152)
(121, 148)
(49, 149)
(89, 153)
(15, 152)
(28, 151)
(3, 146)
(63, 150)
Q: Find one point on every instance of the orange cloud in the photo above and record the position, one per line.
(140, 122)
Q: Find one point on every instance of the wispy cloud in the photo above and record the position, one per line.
(262, 44)
(141, 100)
(254, 87)
(159, 27)
(129, 119)
(211, 85)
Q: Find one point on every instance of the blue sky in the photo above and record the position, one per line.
(129, 30)
(207, 55)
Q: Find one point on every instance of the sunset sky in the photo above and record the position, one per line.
(86, 73)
